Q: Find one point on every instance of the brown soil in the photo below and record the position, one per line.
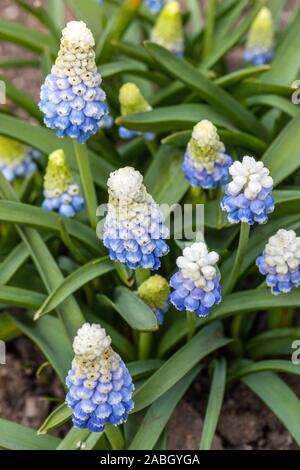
(246, 423)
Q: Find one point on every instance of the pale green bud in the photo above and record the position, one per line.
(261, 33)
(154, 291)
(168, 29)
(58, 176)
(132, 100)
(12, 153)
(205, 145)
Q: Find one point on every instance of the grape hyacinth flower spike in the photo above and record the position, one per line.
(168, 30)
(155, 5)
(100, 386)
(60, 191)
(134, 229)
(132, 101)
(197, 282)
(71, 98)
(280, 261)
(248, 197)
(205, 162)
(259, 46)
(155, 293)
(16, 159)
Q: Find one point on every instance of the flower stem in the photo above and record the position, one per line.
(145, 342)
(243, 242)
(88, 187)
(191, 321)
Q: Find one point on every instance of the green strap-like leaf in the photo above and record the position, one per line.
(131, 308)
(203, 343)
(209, 91)
(272, 365)
(240, 302)
(172, 118)
(274, 101)
(74, 281)
(50, 336)
(20, 297)
(279, 398)
(158, 414)
(26, 37)
(59, 416)
(282, 157)
(13, 436)
(214, 405)
(164, 178)
(75, 439)
(275, 342)
(25, 214)
(8, 328)
(13, 262)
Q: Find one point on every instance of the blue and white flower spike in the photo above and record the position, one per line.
(248, 197)
(16, 159)
(71, 98)
(197, 283)
(60, 191)
(100, 386)
(132, 101)
(107, 122)
(168, 30)
(259, 46)
(134, 229)
(205, 163)
(155, 292)
(280, 261)
(154, 5)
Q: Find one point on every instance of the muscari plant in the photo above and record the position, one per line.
(139, 106)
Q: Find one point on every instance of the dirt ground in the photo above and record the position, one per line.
(27, 398)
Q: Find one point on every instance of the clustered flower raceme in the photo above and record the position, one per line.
(259, 46)
(155, 5)
(60, 191)
(132, 101)
(71, 98)
(155, 293)
(100, 386)
(197, 283)
(205, 162)
(16, 159)
(280, 261)
(248, 197)
(168, 30)
(134, 229)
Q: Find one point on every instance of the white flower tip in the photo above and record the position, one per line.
(197, 263)
(206, 134)
(125, 183)
(77, 32)
(91, 340)
(283, 251)
(249, 176)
